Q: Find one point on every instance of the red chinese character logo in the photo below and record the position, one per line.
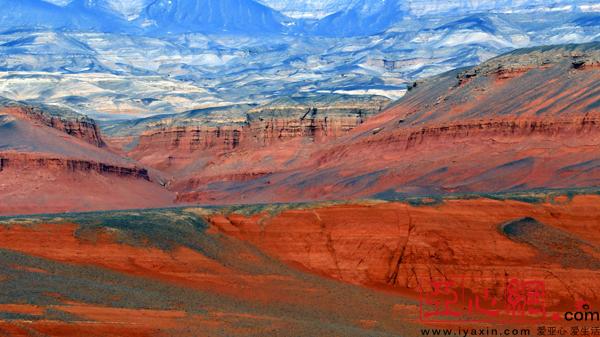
(443, 297)
(525, 298)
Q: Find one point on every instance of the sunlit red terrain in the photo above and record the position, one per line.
(327, 269)
(54, 163)
(522, 121)
(526, 120)
(330, 225)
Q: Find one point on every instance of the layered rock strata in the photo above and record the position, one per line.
(525, 120)
(63, 120)
(28, 161)
(171, 145)
(482, 243)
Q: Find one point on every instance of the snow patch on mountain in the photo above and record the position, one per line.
(308, 9)
(128, 9)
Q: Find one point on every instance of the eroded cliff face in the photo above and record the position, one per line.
(190, 139)
(526, 120)
(171, 147)
(313, 129)
(31, 161)
(315, 121)
(509, 128)
(77, 126)
(55, 161)
(256, 133)
(483, 243)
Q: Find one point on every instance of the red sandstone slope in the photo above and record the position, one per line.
(401, 247)
(219, 272)
(167, 273)
(58, 163)
(526, 120)
(180, 144)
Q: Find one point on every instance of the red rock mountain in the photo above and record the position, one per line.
(181, 143)
(523, 121)
(526, 120)
(54, 160)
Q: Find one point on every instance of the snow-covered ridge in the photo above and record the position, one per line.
(118, 74)
(318, 9)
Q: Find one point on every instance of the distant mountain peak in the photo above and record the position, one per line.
(312, 17)
(213, 16)
(38, 14)
(127, 9)
(308, 9)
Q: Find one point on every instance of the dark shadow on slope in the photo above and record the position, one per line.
(554, 245)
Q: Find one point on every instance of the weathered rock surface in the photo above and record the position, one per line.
(136, 273)
(60, 119)
(481, 242)
(177, 141)
(50, 162)
(25, 161)
(526, 120)
(319, 118)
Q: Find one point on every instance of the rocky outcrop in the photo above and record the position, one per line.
(258, 132)
(515, 128)
(29, 161)
(313, 127)
(171, 143)
(315, 119)
(190, 139)
(403, 247)
(85, 129)
(576, 56)
(63, 120)
(318, 119)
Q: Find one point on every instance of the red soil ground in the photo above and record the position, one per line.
(386, 251)
(398, 246)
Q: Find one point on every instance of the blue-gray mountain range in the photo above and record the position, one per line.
(328, 17)
(116, 58)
